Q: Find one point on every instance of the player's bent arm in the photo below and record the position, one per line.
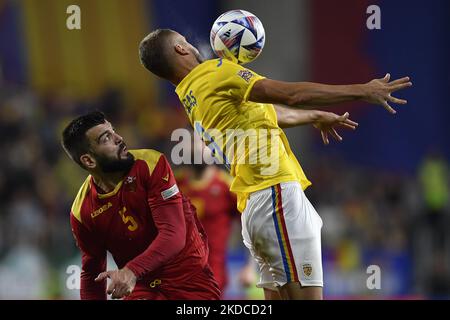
(91, 267)
(289, 117)
(171, 239)
(167, 211)
(303, 94)
(93, 262)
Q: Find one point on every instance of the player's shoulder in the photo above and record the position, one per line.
(146, 154)
(77, 205)
(149, 156)
(219, 65)
(233, 72)
(181, 174)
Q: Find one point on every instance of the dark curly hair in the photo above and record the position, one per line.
(74, 140)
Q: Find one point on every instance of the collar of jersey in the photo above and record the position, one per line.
(185, 79)
(109, 194)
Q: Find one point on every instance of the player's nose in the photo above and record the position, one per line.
(118, 139)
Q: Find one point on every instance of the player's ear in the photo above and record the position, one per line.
(180, 49)
(88, 161)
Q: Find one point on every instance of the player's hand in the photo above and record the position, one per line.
(327, 122)
(122, 282)
(378, 91)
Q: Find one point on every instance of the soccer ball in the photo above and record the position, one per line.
(237, 35)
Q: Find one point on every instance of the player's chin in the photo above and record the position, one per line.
(123, 153)
(125, 156)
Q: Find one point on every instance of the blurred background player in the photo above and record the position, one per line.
(130, 205)
(208, 188)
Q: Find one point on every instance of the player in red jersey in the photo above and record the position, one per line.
(130, 205)
(207, 187)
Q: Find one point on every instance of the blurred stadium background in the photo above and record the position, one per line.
(382, 193)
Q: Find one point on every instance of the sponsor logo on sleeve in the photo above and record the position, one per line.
(173, 190)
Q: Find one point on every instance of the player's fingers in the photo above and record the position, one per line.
(400, 86)
(324, 137)
(396, 100)
(388, 107)
(399, 81)
(351, 122)
(347, 126)
(111, 288)
(115, 295)
(344, 117)
(120, 292)
(386, 77)
(335, 135)
(102, 276)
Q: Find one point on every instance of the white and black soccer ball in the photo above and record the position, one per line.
(237, 35)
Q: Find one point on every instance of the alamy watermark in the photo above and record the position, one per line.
(73, 281)
(73, 21)
(259, 148)
(373, 22)
(374, 279)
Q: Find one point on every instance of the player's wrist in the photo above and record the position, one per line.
(316, 115)
(363, 91)
(129, 272)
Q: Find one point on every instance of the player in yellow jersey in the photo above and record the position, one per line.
(236, 112)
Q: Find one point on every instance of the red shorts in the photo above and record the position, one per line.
(201, 286)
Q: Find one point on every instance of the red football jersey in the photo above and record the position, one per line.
(146, 224)
(216, 208)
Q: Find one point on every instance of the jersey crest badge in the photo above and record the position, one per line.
(307, 269)
(245, 74)
(130, 183)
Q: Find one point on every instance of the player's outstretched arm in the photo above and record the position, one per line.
(303, 94)
(288, 117)
(325, 122)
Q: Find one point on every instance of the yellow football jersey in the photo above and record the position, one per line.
(244, 135)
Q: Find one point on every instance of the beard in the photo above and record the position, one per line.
(109, 165)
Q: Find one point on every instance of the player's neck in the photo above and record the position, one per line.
(183, 71)
(106, 182)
